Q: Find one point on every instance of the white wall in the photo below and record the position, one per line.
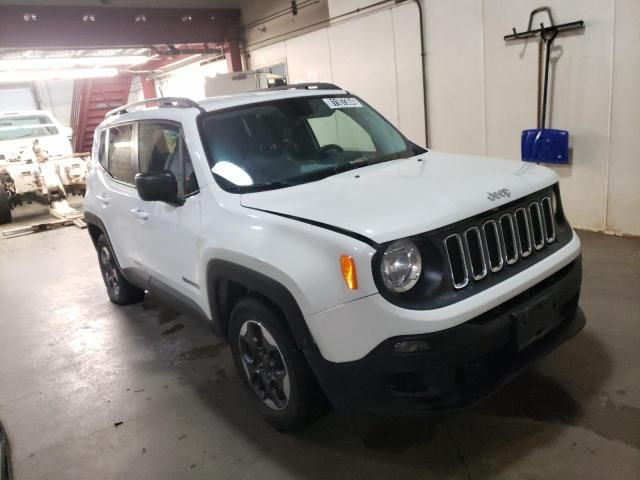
(623, 208)
(188, 81)
(341, 7)
(374, 55)
(264, 21)
(482, 93)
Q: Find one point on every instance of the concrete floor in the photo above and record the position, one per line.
(73, 366)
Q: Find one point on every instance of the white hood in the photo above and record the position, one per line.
(401, 198)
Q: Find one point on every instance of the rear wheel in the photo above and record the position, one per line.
(120, 291)
(274, 369)
(5, 208)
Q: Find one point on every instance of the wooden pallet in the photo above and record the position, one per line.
(43, 227)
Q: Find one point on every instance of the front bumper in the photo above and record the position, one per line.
(463, 364)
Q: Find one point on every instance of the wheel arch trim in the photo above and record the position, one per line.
(221, 271)
(93, 220)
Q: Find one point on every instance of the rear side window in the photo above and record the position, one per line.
(102, 158)
(160, 148)
(120, 153)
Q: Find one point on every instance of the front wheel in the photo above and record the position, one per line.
(273, 368)
(120, 291)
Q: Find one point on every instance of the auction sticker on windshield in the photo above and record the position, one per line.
(342, 102)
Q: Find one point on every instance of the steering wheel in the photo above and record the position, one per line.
(324, 150)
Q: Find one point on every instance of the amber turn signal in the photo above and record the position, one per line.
(348, 268)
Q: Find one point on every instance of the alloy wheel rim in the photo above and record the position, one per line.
(110, 270)
(264, 365)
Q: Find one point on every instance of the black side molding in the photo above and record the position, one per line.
(93, 220)
(141, 279)
(176, 299)
(221, 272)
(135, 276)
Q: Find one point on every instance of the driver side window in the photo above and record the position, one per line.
(342, 130)
(161, 147)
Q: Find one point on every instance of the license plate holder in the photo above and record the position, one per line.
(534, 320)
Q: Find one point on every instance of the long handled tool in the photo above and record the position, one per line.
(544, 145)
(539, 100)
(548, 36)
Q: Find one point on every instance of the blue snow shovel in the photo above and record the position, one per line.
(545, 145)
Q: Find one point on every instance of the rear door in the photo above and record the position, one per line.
(116, 195)
(169, 235)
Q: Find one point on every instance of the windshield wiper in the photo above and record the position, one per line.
(317, 175)
(260, 187)
(365, 162)
(279, 183)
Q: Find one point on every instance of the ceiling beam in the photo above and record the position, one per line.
(27, 27)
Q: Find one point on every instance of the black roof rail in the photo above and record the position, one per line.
(307, 86)
(163, 102)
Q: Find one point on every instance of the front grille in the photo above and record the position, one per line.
(455, 252)
(481, 250)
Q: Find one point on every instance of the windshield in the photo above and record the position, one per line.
(297, 140)
(28, 126)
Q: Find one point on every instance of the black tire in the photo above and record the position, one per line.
(120, 291)
(305, 400)
(5, 208)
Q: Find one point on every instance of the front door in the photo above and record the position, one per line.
(169, 233)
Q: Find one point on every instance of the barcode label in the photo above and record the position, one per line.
(342, 102)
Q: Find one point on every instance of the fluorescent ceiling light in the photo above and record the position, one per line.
(70, 62)
(30, 76)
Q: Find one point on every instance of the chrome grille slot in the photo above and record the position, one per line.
(483, 245)
(509, 240)
(537, 229)
(494, 245)
(457, 263)
(475, 251)
(548, 220)
(524, 232)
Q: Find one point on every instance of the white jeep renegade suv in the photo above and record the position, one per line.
(339, 259)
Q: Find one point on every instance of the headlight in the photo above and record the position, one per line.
(401, 266)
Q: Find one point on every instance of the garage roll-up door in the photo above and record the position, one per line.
(19, 97)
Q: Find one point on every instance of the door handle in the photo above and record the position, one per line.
(139, 213)
(103, 199)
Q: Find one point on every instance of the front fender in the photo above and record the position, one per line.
(220, 272)
(304, 258)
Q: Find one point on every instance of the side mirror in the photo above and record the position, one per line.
(158, 187)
